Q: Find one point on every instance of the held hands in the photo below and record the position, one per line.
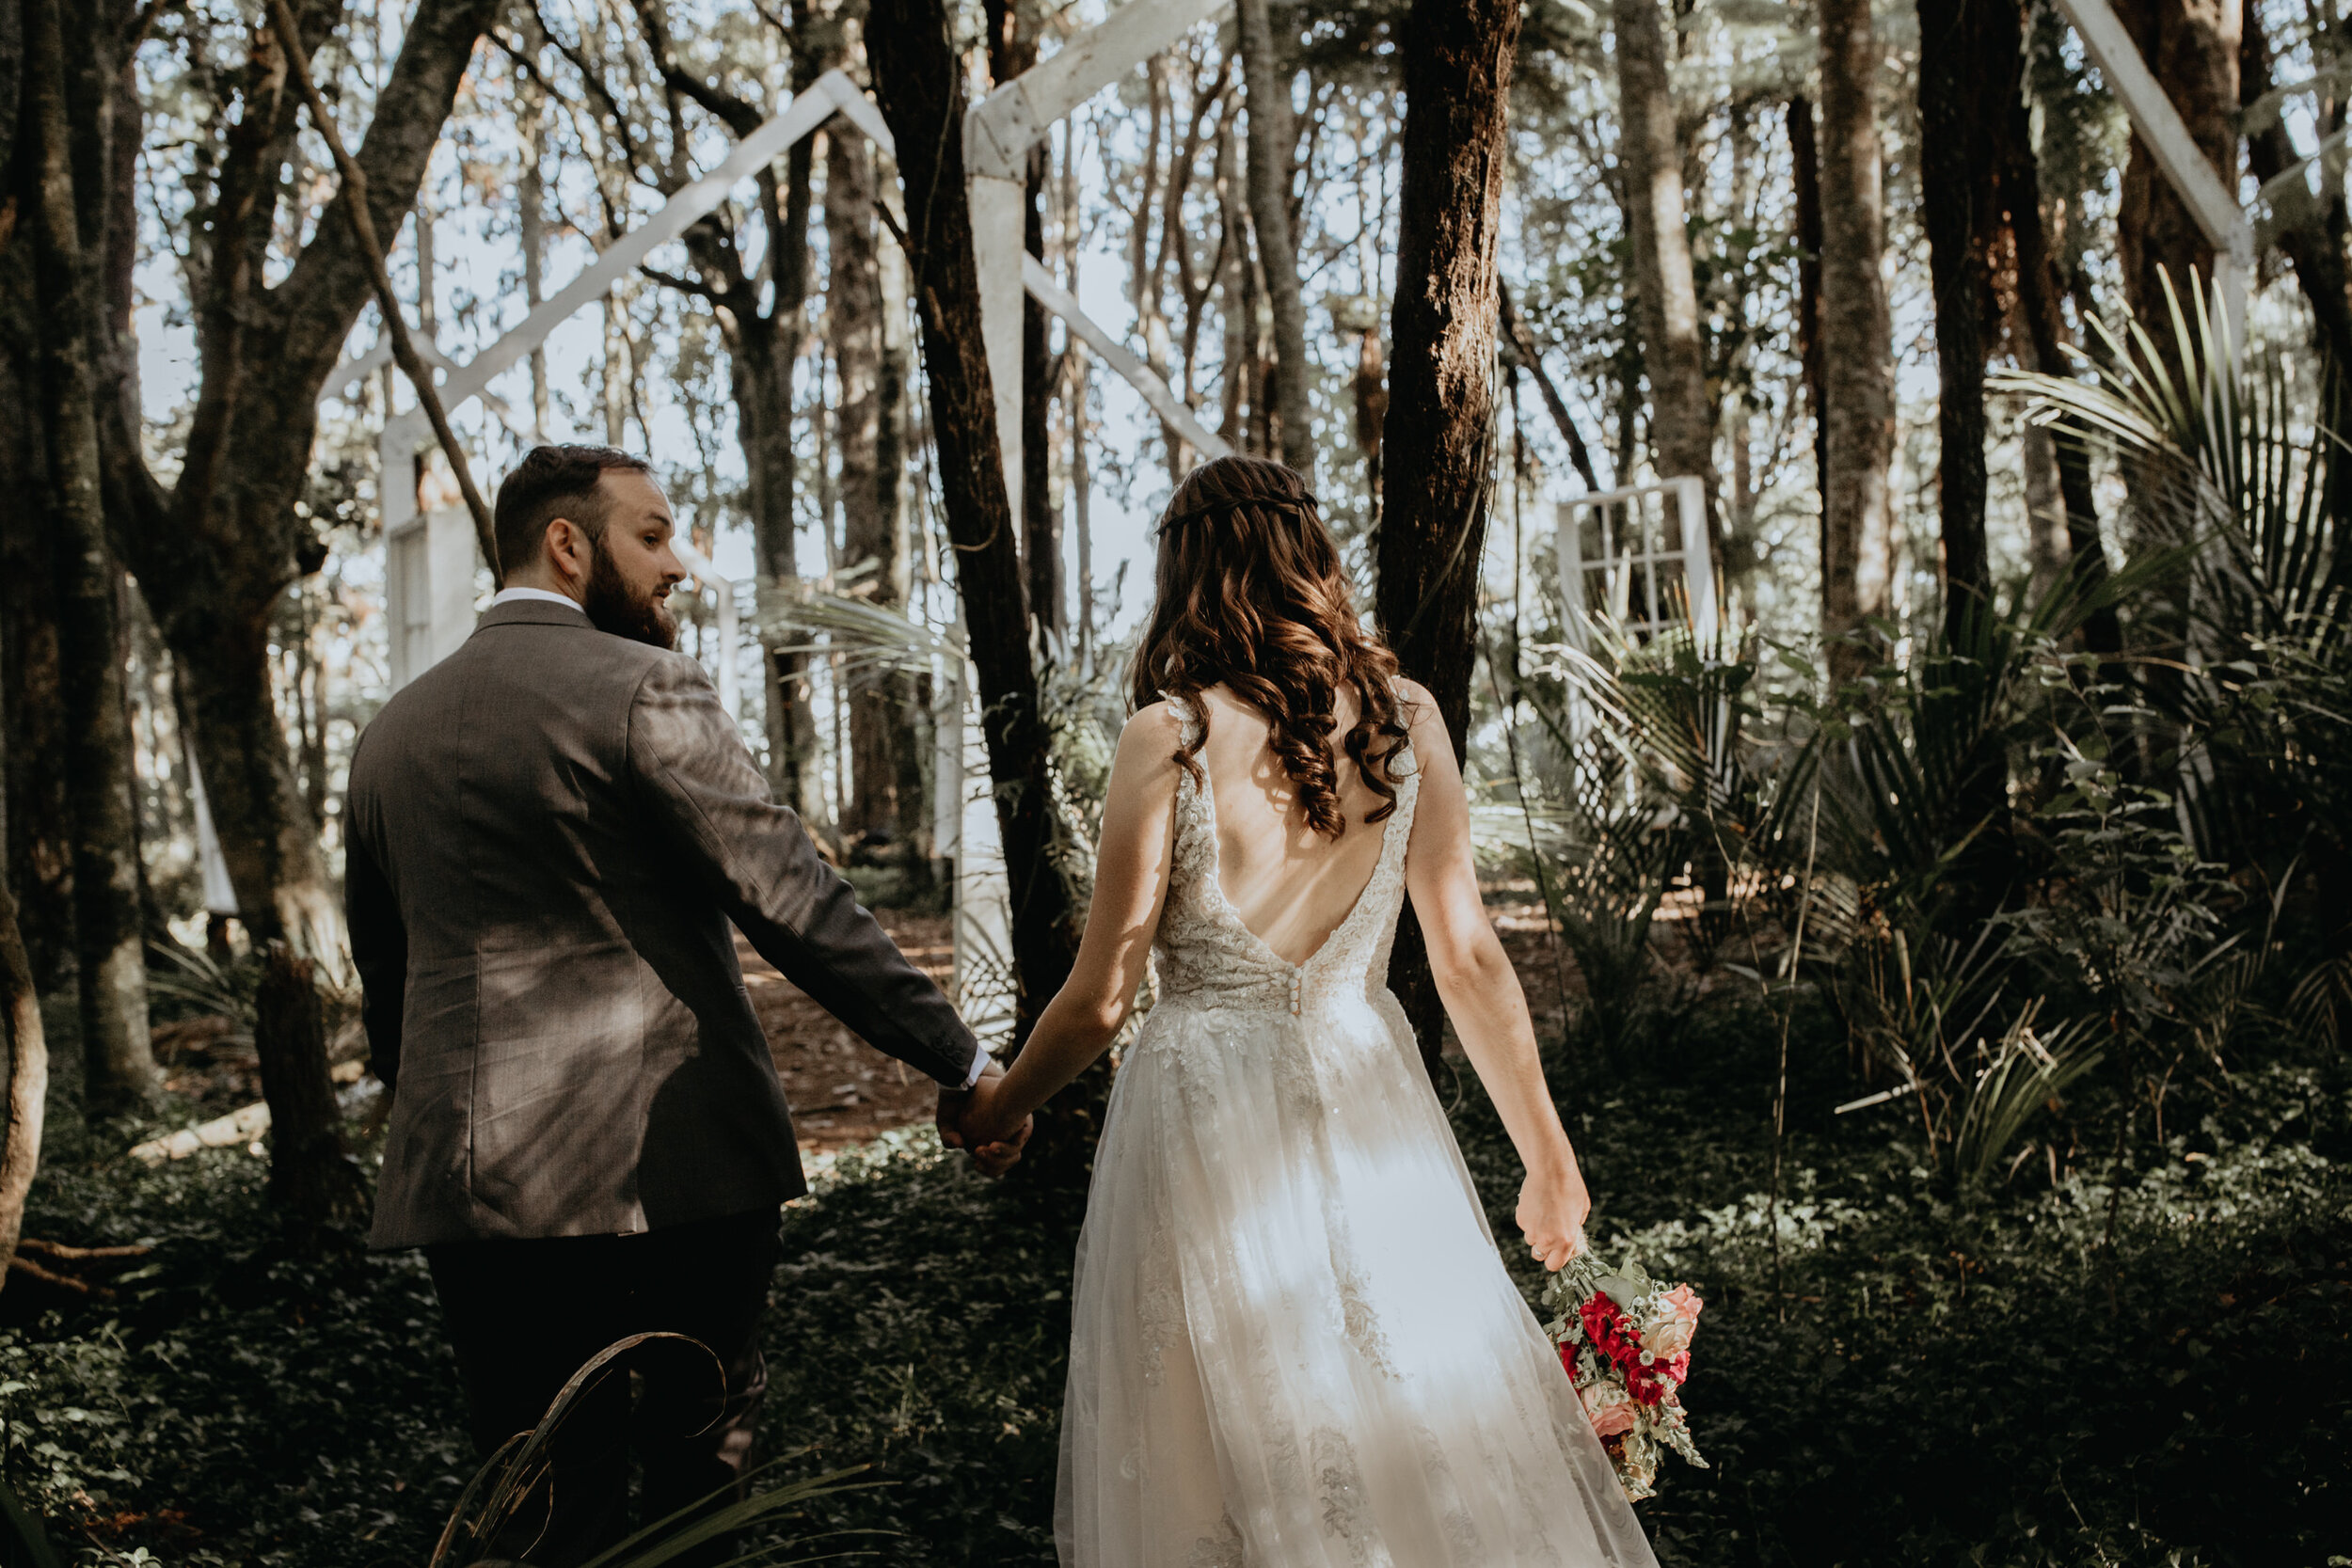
(1551, 1214)
(975, 1121)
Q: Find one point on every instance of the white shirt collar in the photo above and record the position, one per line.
(511, 595)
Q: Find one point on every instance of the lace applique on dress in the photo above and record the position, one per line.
(1225, 1549)
(1346, 1509)
(1160, 1300)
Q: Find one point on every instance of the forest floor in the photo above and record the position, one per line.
(2144, 1360)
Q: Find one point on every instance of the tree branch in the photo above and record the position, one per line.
(686, 286)
(354, 202)
(1522, 344)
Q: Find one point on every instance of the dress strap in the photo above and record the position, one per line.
(1188, 716)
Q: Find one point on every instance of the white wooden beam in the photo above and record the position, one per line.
(1162, 398)
(2164, 134)
(999, 132)
(1000, 129)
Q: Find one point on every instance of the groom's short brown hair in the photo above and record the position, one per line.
(551, 483)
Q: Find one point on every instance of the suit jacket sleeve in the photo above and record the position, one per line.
(379, 949)
(754, 857)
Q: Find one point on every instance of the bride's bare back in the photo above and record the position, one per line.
(1292, 886)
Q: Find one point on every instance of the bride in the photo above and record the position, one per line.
(1293, 1342)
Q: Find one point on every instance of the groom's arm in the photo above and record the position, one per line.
(756, 861)
(379, 950)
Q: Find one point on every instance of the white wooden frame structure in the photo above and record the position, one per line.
(430, 560)
(1634, 559)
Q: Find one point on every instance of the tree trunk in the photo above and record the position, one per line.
(2311, 230)
(311, 1176)
(530, 200)
(2192, 48)
(110, 940)
(1857, 340)
(762, 348)
(1957, 197)
(921, 86)
(760, 359)
(1804, 155)
(28, 1081)
(1650, 149)
(1011, 50)
(1040, 521)
(38, 835)
(1273, 143)
(873, 523)
(1436, 453)
(2040, 295)
(909, 727)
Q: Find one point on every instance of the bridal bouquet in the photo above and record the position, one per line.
(1625, 1339)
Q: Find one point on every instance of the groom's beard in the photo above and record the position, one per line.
(615, 607)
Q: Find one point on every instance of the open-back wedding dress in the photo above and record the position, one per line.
(1293, 1344)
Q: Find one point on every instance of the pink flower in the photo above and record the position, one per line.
(1672, 1319)
(1610, 1409)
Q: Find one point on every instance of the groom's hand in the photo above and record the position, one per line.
(994, 1149)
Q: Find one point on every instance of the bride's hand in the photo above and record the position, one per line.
(1551, 1214)
(996, 1139)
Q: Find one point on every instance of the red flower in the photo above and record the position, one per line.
(1606, 1327)
(1567, 1357)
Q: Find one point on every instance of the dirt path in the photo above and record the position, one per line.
(844, 1092)
(841, 1090)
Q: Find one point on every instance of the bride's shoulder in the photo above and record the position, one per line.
(1153, 733)
(1418, 711)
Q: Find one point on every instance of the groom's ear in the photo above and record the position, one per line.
(566, 547)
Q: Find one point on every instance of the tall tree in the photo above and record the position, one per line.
(910, 47)
(110, 940)
(873, 515)
(213, 549)
(2192, 48)
(1438, 454)
(1804, 159)
(2040, 308)
(1012, 45)
(1650, 151)
(1273, 143)
(37, 836)
(1958, 192)
(1857, 337)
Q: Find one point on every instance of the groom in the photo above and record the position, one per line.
(549, 835)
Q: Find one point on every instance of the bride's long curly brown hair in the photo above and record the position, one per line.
(1252, 596)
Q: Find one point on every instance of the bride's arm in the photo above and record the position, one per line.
(1131, 868)
(1482, 993)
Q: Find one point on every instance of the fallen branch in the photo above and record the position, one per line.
(79, 1253)
(31, 1269)
(242, 1125)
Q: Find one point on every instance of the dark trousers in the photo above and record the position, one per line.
(525, 1315)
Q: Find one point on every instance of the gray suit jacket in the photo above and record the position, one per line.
(547, 834)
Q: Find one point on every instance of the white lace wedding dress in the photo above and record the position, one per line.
(1293, 1344)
